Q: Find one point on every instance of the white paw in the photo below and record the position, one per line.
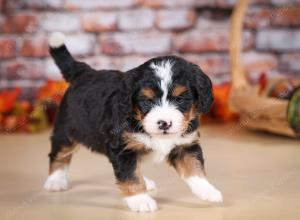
(57, 181)
(203, 189)
(210, 194)
(150, 184)
(141, 203)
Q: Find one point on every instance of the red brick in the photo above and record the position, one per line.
(22, 69)
(178, 3)
(170, 3)
(175, 19)
(51, 70)
(42, 4)
(212, 64)
(20, 23)
(206, 23)
(136, 19)
(278, 40)
(204, 3)
(143, 43)
(99, 21)
(291, 62)
(286, 16)
(64, 22)
(257, 18)
(260, 2)
(225, 3)
(81, 44)
(7, 48)
(102, 62)
(128, 62)
(9, 6)
(34, 47)
(1, 22)
(254, 62)
(232, 3)
(100, 4)
(284, 2)
(208, 40)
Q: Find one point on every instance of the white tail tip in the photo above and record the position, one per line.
(56, 39)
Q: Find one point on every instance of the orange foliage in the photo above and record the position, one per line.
(221, 109)
(8, 99)
(53, 91)
(18, 115)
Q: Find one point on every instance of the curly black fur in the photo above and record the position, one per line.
(98, 106)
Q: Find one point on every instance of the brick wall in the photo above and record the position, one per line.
(124, 33)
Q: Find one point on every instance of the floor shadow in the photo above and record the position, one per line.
(191, 205)
(98, 204)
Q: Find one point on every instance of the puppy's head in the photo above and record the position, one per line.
(168, 94)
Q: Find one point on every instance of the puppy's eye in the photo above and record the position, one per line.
(179, 99)
(182, 98)
(145, 102)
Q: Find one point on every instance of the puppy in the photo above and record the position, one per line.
(152, 109)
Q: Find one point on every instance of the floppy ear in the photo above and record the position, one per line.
(117, 109)
(203, 90)
(122, 105)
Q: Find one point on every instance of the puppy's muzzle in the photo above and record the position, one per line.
(163, 125)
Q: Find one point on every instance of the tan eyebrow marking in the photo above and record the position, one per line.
(178, 90)
(148, 92)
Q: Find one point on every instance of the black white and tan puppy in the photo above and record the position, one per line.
(152, 109)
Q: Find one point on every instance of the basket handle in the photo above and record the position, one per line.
(235, 47)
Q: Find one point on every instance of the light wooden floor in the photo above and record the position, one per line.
(259, 175)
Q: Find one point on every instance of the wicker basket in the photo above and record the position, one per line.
(256, 112)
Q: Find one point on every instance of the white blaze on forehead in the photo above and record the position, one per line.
(164, 71)
(164, 110)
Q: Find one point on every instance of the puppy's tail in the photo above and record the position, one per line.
(69, 67)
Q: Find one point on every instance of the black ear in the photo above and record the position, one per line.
(122, 106)
(118, 108)
(203, 90)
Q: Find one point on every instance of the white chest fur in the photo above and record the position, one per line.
(162, 145)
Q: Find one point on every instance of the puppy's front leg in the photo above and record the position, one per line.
(189, 163)
(132, 183)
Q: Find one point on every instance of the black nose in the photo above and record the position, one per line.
(163, 125)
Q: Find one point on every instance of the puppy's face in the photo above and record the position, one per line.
(170, 94)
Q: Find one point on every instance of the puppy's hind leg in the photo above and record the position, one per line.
(60, 158)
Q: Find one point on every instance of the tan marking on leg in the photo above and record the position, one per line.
(189, 166)
(178, 90)
(133, 187)
(63, 158)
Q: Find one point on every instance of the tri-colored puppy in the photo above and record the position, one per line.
(151, 109)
